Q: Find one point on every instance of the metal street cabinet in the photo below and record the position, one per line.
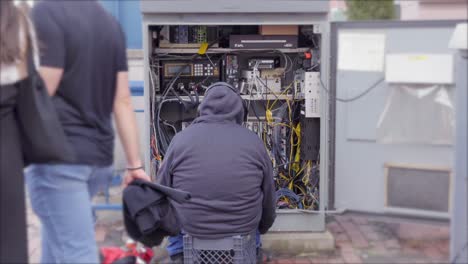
(275, 53)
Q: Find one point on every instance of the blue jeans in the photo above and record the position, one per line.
(61, 197)
(176, 243)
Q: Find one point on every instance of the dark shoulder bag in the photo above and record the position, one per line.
(43, 139)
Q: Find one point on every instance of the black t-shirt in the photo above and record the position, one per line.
(88, 44)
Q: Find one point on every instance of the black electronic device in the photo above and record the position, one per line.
(262, 42)
(173, 69)
(264, 63)
(183, 34)
(190, 69)
(310, 145)
(192, 75)
(231, 70)
(205, 69)
(192, 34)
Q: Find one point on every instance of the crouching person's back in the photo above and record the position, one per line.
(225, 167)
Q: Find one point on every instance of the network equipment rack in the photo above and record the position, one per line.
(280, 86)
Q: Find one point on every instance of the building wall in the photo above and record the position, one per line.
(443, 10)
(129, 15)
(420, 9)
(409, 10)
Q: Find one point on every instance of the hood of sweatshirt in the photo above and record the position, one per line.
(221, 105)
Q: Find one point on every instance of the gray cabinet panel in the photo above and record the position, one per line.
(238, 6)
(359, 159)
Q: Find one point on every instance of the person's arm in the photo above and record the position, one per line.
(124, 114)
(127, 129)
(269, 196)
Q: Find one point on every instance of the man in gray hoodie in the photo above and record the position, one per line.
(225, 167)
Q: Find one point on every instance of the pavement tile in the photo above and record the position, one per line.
(358, 240)
(346, 246)
(392, 244)
(302, 261)
(355, 235)
(444, 248)
(100, 233)
(341, 238)
(369, 232)
(351, 257)
(335, 228)
(321, 260)
(335, 261)
(422, 231)
(378, 248)
(410, 251)
(285, 261)
(360, 220)
(433, 253)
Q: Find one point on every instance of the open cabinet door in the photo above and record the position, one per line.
(392, 123)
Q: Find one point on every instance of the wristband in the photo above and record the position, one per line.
(136, 168)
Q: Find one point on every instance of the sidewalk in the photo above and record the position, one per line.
(360, 238)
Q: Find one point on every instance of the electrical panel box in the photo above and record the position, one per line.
(308, 87)
(277, 75)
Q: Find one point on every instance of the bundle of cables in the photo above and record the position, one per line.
(287, 199)
(296, 179)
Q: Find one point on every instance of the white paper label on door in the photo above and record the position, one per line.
(361, 51)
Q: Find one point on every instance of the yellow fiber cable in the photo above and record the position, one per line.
(297, 158)
(278, 96)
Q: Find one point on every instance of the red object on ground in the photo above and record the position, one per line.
(112, 254)
(147, 255)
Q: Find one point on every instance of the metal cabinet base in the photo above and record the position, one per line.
(298, 221)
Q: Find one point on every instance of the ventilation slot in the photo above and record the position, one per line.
(417, 188)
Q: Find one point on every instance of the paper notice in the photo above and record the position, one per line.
(361, 52)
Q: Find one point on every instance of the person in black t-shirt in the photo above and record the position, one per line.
(84, 66)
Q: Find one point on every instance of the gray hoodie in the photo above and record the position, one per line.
(226, 169)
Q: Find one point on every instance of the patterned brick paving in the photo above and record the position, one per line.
(360, 238)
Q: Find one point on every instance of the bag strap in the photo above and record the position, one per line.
(31, 66)
(174, 194)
